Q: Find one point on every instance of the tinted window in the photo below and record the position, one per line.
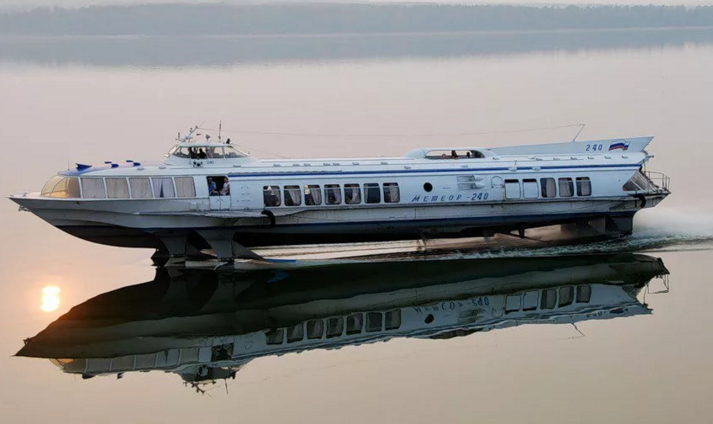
(566, 296)
(584, 294)
(584, 186)
(549, 299)
(293, 197)
(335, 327)
(315, 329)
(391, 193)
(566, 187)
(393, 319)
(313, 195)
(372, 193)
(374, 321)
(333, 194)
(295, 333)
(271, 195)
(352, 194)
(549, 189)
(354, 323)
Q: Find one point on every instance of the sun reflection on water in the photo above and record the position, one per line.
(50, 298)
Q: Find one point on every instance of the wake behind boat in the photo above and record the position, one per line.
(210, 195)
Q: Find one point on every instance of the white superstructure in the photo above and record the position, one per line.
(211, 195)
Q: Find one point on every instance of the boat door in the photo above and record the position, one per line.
(219, 192)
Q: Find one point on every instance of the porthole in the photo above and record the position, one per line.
(428, 187)
(429, 319)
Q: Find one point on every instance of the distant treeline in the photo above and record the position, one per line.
(216, 19)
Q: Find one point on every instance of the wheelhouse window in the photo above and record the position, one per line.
(163, 188)
(333, 193)
(566, 187)
(372, 193)
(391, 193)
(140, 188)
(530, 190)
(185, 187)
(230, 152)
(549, 188)
(352, 194)
(62, 187)
(271, 195)
(293, 196)
(584, 186)
(93, 188)
(117, 188)
(313, 195)
(512, 189)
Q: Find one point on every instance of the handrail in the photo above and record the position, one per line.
(660, 180)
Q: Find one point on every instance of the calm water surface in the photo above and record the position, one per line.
(651, 364)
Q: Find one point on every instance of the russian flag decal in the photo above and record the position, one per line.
(620, 145)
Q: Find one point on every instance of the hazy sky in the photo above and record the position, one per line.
(75, 3)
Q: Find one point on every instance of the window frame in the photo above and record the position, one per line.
(313, 188)
(348, 199)
(391, 187)
(527, 181)
(579, 185)
(126, 181)
(371, 187)
(271, 189)
(544, 186)
(566, 180)
(519, 188)
(292, 188)
(81, 184)
(330, 188)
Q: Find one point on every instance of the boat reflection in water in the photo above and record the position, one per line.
(207, 325)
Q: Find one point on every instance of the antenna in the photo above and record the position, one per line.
(578, 132)
(220, 128)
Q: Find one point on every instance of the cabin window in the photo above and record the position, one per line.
(140, 188)
(584, 294)
(454, 154)
(49, 185)
(374, 322)
(275, 337)
(584, 186)
(181, 152)
(66, 188)
(391, 193)
(295, 333)
(566, 187)
(549, 299)
(335, 327)
(185, 187)
(392, 319)
(93, 188)
(313, 195)
(355, 323)
(512, 189)
(372, 193)
(352, 194)
(333, 194)
(163, 188)
(117, 188)
(566, 296)
(513, 303)
(293, 196)
(271, 195)
(530, 189)
(315, 329)
(529, 300)
(549, 188)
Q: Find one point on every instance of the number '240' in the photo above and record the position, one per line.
(595, 147)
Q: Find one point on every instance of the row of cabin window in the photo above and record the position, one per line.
(120, 188)
(313, 195)
(335, 327)
(528, 301)
(548, 188)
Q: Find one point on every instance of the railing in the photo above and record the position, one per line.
(659, 180)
